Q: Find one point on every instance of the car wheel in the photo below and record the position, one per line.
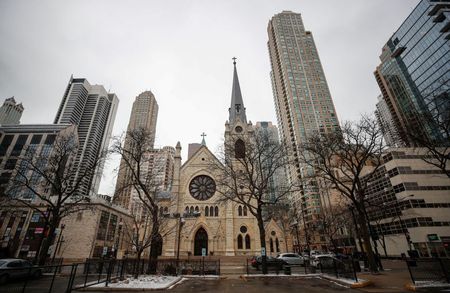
(37, 274)
(4, 279)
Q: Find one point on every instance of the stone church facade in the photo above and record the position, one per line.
(205, 224)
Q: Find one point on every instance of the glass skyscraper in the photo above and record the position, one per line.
(414, 72)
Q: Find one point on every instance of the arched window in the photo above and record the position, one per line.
(191, 210)
(211, 211)
(166, 210)
(247, 241)
(245, 211)
(277, 244)
(186, 210)
(271, 245)
(239, 240)
(196, 209)
(240, 211)
(216, 211)
(206, 211)
(239, 149)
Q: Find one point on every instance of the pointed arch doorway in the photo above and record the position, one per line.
(200, 241)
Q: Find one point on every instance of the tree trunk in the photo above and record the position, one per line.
(137, 264)
(47, 241)
(154, 243)
(367, 245)
(262, 239)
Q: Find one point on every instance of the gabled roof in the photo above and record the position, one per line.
(197, 154)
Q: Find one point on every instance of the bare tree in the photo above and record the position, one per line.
(143, 180)
(247, 166)
(332, 220)
(47, 181)
(347, 159)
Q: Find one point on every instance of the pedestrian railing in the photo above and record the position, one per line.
(65, 278)
(429, 269)
(337, 268)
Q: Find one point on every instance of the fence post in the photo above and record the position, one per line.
(410, 273)
(53, 278)
(108, 273)
(121, 269)
(335, 269)
(26, 280)
(446, 274)
(247, 265)
(100, 271)
(73, 271)
(354, 269)
(86, 272)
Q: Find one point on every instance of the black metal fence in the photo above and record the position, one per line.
(337, 268)
(429, 269)
(65, 278)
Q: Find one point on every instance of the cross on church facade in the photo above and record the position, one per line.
(234, 60)
(203, 135)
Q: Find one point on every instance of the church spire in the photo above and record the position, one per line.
(236, 109)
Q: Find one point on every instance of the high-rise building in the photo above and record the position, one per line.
(93, 110)
(10, 112)
(387, 124)
(302, 101)
(144, 115)
(414, 72)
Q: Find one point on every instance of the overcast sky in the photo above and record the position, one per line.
(181, 51)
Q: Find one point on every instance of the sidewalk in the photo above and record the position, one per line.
(392, 279)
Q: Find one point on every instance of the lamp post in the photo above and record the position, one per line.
(58, 242)
(402, 223)
(181, 220)
(351, 208)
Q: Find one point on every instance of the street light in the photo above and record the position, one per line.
(58, 242)
(181, 220)
(402, 224)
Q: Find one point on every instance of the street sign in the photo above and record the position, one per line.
(203, 251)
(432, 237)
(105, 250)
(38, 230)
(263, 251)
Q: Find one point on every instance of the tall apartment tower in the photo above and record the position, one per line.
(10, 112)
(93, 110)
(144, 115)
(414, 72)
(302, 99)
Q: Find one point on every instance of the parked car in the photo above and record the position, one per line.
(324, 261)
(14, 268)
(256, 262)
(292, 258)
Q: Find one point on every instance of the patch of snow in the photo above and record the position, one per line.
(425, 284)
(145, 281)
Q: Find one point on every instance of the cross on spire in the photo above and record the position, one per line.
(234, 60)
(203, 138)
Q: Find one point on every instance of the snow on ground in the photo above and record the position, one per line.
(147, 282)
(425, 284)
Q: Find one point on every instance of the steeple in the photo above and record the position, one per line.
(237, 109)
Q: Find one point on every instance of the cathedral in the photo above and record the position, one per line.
(205, 224)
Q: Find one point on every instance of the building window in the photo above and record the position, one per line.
(245, 211)
(247, 241)
(216, 211)
(239, 149)
(271, 245)
(240, 211)
(206, 211)
(211, 211)
(239, 241)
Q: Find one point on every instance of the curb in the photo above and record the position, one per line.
(361, 284)
(413, 287)
(410, 287)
